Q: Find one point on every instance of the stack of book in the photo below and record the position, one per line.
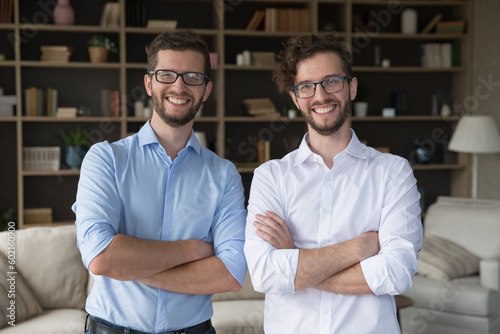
(6, 11)
(60, 53)
(440, 55)
(263, 151)
(454, 27)
(280, 19)
(40, 101)
(263, 107)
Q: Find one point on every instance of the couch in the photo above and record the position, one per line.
(456, 289)
(49, 286)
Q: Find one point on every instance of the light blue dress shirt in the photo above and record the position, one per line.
(132, 187)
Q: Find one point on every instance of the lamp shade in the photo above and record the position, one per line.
(475, 134)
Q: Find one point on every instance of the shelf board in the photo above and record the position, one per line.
(156, 31)
(77, 119)
(70, 64)
(410, 118)
(246, 119)
(406, 69)
(7, 63)
(438, 36)
(7, 26)
(412, 3)
(61, 172)
(71, 28)
(433, 167)
(7, 119)
(266, 34)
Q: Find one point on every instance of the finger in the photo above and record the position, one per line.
(269, 222)
(268, 230)
(269, 238)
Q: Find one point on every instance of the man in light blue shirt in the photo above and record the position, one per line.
(161, 219)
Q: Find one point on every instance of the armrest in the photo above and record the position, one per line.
(489, 270)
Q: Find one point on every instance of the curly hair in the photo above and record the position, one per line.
(178, 41)
(301, 47)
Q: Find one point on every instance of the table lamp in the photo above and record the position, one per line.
(475, 134)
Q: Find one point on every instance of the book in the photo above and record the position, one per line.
(256, 20)
(111, 15)
(69, 112)
(162, 24)
(456, 27)
(432, 24)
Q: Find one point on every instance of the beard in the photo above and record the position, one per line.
(326, 130)
(174, 120)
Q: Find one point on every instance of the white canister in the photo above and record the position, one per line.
(138, 108)
(409, 21)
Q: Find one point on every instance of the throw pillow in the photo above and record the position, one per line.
(14, 288)
(442, 259)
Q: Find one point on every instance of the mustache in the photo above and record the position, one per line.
(327, 101)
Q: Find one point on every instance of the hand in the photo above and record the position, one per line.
(273, 229)
(368, 245)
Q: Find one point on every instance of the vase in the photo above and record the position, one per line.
(98, 54)
(409, 21)
(360, 109)
(74, 156)
(64, 13)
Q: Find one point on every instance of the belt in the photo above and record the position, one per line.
(98, 328)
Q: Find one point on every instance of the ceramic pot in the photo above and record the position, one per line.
(64, 13)
(74, 156)
(98, 54)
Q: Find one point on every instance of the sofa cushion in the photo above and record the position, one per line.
(50, 262)
(239, 316)
(443, 259)
(13, 288)
(63, 321)
(462, 295)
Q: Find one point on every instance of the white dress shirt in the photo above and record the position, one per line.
(364, 191)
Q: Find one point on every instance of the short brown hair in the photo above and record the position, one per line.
(181, 40)
(301, 47)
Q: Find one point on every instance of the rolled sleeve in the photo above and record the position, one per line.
(271, 270)
(229, 227)
(97, 205)
(400, 235)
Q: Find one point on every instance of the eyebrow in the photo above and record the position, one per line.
(322, 79)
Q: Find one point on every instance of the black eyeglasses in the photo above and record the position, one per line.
(189, 78)
(330, 86)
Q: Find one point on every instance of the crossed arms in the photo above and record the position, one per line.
(165, 265)
(333, 268)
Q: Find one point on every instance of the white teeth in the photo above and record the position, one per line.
(177, 100)
(323, 110)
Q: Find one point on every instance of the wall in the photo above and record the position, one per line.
(486, 68)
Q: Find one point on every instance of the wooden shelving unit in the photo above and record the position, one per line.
(230, 132)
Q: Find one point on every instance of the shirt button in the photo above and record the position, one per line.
(326, 211)
(326, 311)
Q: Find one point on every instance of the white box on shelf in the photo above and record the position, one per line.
(41, 158)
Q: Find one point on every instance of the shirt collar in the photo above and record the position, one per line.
(147, 136)
(355, 148)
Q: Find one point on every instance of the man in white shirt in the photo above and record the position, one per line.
(333, 228)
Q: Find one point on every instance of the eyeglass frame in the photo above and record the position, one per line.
(205, 77)
(343, 77)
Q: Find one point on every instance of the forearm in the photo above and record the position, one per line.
(317, 265)
(130, 258)
(202, 277)
(350, 281)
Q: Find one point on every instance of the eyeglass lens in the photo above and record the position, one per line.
(330, 85)
(189, 78)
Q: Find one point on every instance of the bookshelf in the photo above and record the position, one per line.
(230, 132)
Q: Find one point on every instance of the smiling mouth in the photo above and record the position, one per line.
(324, 110)
(177, 100)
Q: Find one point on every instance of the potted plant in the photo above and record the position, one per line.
(75, 147)
(99, 47)
(361, 102)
